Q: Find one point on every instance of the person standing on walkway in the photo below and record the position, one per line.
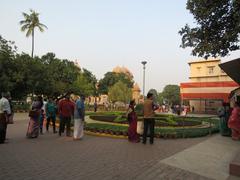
(224, 114)
(148, 116)
(66, 111)
(79, 117)
(234, 121)
(51, 110)
(5, 112)
(132, 120)
(35, 114)
(95, 106)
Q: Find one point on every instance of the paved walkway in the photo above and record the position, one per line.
(53, 157)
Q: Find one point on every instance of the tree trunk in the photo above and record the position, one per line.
(32, 42)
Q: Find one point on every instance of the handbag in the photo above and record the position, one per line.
(140, 127)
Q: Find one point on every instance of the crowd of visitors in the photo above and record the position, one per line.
(73, 110)
(67, 109)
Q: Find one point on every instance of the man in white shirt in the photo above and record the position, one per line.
(5, 112)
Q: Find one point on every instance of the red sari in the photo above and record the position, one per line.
(132, 130)
(234, 123)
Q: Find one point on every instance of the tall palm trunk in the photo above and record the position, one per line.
(32, 42)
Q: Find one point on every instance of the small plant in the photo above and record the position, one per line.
(171, 120)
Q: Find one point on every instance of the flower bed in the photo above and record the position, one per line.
(169, 120)
(160, 132)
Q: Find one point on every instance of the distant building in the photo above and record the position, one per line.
(135, 90)
(103, 99)
(136, 93)
(209, 86)
(123, 70)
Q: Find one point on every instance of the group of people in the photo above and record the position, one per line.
(66, 108)
(149, 122)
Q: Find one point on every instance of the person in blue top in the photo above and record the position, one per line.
(51, 110)
(79, 117)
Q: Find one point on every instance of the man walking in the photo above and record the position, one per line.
(148, 115)
(5, 112)
(66, 111)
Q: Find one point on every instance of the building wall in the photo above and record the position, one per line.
(207, 71)
(209, 86)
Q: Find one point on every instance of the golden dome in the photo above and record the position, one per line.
(124, 70)
(136, 87)
(117, 69)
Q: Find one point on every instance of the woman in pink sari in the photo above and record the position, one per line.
(234, 122)
(132, 120)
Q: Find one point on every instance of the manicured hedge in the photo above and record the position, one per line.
(161, 132)
(160, 121)
(115, 113)
(107, 118)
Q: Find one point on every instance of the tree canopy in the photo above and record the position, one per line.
(47, 75)
(120, 92)
(217, 27)
(171, 93)
(110, 78)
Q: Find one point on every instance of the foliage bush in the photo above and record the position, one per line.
(163, 132)
(107, 118)
(169, 120)
(139, 109)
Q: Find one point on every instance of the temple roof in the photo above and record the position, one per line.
(124, 70)
(136, 87)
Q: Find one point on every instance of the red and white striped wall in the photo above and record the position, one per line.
(207, 90)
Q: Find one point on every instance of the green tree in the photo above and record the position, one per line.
(110, 78)
(83, 86)
(218, 27)
(91, 80)
(47, 75)
(172, 94)
(120, 92)
(7, 65)
(85, 83)
(30, 22)
(61, 74)
(160, 98)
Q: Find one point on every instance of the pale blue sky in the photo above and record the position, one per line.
(102, 34)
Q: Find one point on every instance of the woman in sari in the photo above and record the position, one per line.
(234, 122)
(132, 120)
(34, 122)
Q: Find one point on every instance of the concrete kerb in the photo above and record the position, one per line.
(100, 134)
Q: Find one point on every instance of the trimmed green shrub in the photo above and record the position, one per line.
(139, 109)
(163, 132)
(106, 118)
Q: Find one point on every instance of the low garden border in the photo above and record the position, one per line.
(208, 126)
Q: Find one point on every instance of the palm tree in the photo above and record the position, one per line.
(30, 22)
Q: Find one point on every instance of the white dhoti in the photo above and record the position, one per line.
(78, 128)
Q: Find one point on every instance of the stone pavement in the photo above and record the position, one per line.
(53, 157)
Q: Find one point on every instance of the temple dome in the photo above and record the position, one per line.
(124, 70)
(136, 87)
